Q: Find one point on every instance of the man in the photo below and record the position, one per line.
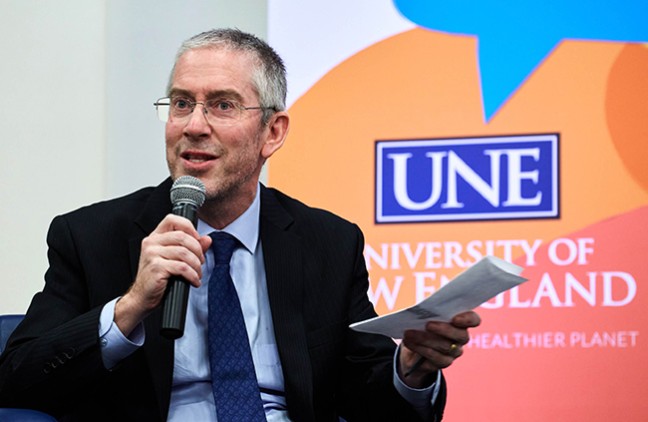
(90, 346)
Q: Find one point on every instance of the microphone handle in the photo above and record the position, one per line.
(176, 296)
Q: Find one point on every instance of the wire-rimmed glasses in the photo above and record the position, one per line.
(218, 111)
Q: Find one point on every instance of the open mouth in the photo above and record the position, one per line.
(197, 156)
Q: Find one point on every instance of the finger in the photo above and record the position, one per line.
(159, 241)
(180, 255)
(433, 359)
(446, 345)
(205, 243)
(161, 268)
(447, 331)
(454, 350)
(172, 254)
(176, 223)
(181, 269)
(468, 319)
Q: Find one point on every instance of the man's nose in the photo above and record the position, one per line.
(198, 124)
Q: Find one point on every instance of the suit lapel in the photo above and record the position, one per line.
(157, 349)
(282, 252)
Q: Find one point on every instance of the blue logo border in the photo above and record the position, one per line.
(553, 213)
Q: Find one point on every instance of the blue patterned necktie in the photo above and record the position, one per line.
(234, 383)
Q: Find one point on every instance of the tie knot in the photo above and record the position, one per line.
(223, 245)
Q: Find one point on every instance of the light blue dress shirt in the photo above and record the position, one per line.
(191, 394)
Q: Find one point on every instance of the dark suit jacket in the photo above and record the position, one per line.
(317, 284)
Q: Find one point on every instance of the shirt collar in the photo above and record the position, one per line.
(245, 228)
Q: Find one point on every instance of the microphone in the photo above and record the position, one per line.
(187, 195)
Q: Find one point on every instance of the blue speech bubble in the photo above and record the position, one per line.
(515, 36)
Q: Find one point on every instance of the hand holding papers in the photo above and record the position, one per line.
(479, 283)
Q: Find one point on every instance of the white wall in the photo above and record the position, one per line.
(77, 124)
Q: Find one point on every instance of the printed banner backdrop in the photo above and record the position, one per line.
(457, 130)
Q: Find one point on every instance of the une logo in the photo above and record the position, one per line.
(490, 178)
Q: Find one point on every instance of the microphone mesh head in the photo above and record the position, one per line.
(188, 189)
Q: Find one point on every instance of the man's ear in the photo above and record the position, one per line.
(276, 132)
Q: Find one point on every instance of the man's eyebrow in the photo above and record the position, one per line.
(220, 93)
(175, 92)
(225, 93)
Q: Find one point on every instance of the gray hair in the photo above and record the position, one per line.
(268, 76)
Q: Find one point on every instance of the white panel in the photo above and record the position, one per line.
(52, 123)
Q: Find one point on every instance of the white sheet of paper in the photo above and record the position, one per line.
(474, 286)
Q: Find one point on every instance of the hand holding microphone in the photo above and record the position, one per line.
(170, 260)
(187, 195)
